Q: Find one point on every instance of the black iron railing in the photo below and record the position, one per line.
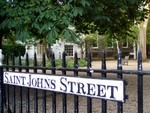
(13, 96)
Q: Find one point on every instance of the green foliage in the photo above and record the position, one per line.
(70, 63)
(81, 63)
(112, 17)
(13, 48)
(91, 39)
(134, 35)
(43, 18)
(51, 20)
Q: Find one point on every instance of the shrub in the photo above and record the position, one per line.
(13, 48)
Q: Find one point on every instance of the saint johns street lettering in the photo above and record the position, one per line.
(98, 88)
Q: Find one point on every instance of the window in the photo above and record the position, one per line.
(69, 50)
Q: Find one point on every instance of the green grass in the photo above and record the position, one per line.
(69, 63)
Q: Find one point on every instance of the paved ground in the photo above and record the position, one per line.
(112, 64)
(131, 90)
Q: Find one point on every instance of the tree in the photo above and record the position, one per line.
(51, 19)
(112, 17)
(40, 18)
(46, 20)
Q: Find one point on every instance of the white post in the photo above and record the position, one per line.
(0, 57)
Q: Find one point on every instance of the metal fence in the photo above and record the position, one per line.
(18, 99)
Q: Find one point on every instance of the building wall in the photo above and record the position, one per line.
(58, 48)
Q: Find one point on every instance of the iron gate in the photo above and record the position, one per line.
(19, 99)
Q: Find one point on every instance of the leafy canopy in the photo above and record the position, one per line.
(41, 18)
(115, 18)
(51, 19)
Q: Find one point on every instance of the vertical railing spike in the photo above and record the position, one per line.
(14, 87)
(64, 60)
(27, 89)
(19, 63)
(104, 102)
(75, 60)
(35, 59)
(43, 63)
(27, 62)
(119, 76)
(54, 93)
(44, 91)
(119, 65)
(13, 62)
(20, 88)
(89, 73)
(53, 62)
(64, 97)
(35, 91)
(2, 100)
(6, 89)
(103, 61)
(89, 60)
(140, 60)
(76, 98)
(140, 83)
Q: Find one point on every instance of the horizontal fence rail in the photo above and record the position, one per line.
(20, 99)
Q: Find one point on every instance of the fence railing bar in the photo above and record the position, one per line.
(44, 91)
(2, 98)
(27, 89)
(104, 102)
(20, 88)
(13, 88)
(140, 83)
(7, 87)
(19, 68)
(76, 98)
(35, 91)
(54, 93)
(113, 71)
(144, 72)
(89, 100)
(20, 102)
(13, 62)
(27, 62)
(64, 96)
(119, 76)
